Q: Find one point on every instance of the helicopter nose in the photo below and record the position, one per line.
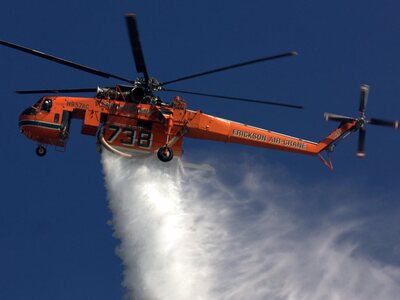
(21, 123)
(24, 118)
(30, 111)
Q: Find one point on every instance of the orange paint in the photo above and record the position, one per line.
(141, 129)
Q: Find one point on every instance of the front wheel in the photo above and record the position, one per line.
(165, 154)
(41, 151)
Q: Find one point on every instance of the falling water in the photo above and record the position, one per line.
(187, 235)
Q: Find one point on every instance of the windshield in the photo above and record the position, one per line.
(37, 104)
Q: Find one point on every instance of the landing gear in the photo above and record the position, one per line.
(41, 151)
(165, 154)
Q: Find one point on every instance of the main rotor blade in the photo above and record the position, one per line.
(63, 61)
(380, 122)
(57, 91)
(361, 142)
(293, 53)
(136, 46)
(338, 118)
(363, 98)
(234, 98)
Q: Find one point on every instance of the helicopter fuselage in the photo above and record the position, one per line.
(141, 129)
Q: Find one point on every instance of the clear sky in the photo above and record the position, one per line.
(54, 237)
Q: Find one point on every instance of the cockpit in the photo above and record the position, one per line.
(46, 105)
(43, 104)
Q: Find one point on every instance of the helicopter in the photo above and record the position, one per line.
(130, 120)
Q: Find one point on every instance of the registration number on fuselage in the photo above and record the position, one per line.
(78, 105)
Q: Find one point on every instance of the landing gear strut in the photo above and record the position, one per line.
(165, 154)
(41, 151)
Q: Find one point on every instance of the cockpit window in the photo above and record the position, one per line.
(37, 104)
(30, 111)
(47, 104)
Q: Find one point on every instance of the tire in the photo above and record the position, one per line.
(165, 154)
(41, 151)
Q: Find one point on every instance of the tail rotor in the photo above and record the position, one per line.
(361, 121)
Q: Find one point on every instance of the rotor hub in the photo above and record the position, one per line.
(150, 85)
(361, 122)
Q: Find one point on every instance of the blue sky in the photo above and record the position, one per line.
(54, 234)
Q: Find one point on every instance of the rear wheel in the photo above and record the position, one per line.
(165, 154)
(40, 151)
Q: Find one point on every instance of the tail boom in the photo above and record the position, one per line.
(203, 126)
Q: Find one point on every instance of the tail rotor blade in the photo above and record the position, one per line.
(338, 118)
(361, 143)
(363, 98)
(386, 123)
(136, 46)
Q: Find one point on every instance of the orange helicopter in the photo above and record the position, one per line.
(131, 121)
